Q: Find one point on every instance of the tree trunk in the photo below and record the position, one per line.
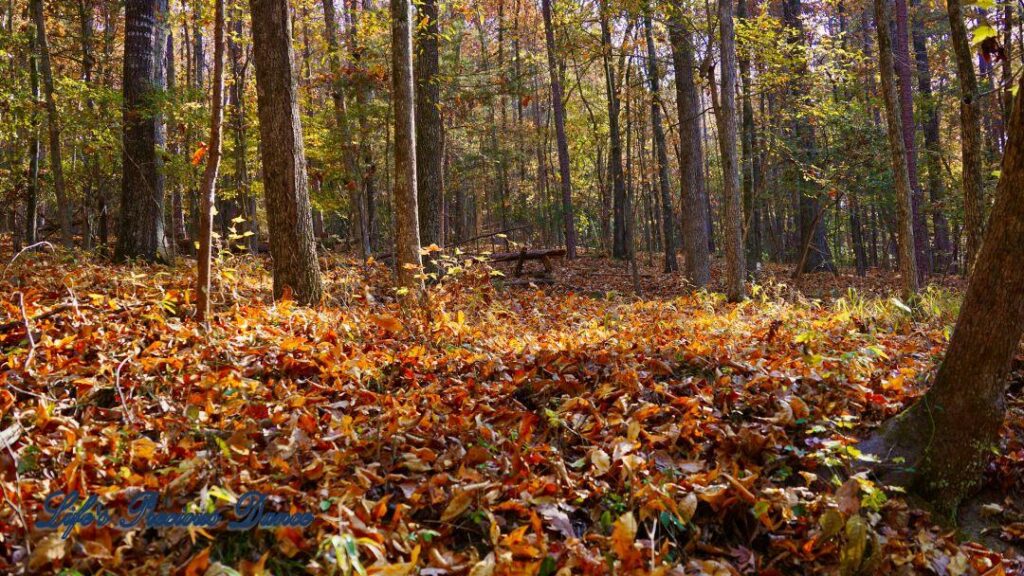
(942, 262)
(947, 437)
(353, 183)
(812, 228)
(429, 127)
(735, 263)
(691, 155)
(237, 100)
(142, 184)
(85, 10)
(894, 119)
(407, 233)
(53, 123)
(661, 153)
(208, 192)
(901, 54)
(970, 132)
(751, 163)
(563, 143)
(34, 149)
(290, 220)
(615, 149)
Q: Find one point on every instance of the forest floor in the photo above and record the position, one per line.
(499, 431)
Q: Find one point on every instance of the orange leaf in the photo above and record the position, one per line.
(200, 153)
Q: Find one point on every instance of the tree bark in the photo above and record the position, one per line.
(901, 177)
(901, 54)
(563, 143)
(429, 127)
(661, 153)
(735, 262)
(947, 437)
(812, 228)
(289, 217)
(407, 233)
(142, 184)
(970, 132)
(209, 185)
(751, 162)
(53, 124)
(615, 137)
(34, 148)
(691, 154)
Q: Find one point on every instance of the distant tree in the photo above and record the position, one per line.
(942, 443)
(898, 154)
(207, 193)
(407, 231)
(618, 182)
(661, 151)
(53, 123)
(558, 105)
(289, 216)
(140, 228)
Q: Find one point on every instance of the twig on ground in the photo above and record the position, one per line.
(23, 250)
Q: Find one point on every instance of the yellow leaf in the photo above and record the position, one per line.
(459, 503)
(143, 448)
(623, 534)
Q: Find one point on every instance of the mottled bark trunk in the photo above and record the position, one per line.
(429, 127)
(207, 191)
(53, 124)
(691, 155)
(289, 217)
(903, 66)
(558, 106)
(142, 183)
(947, 437)
(661, 153)
(85, 10)
(894, 119)
(735, 262)
(407, 233)
(970, 132)
(942, 261)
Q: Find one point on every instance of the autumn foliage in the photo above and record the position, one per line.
(501, 431)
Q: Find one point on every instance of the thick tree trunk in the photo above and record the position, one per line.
(735, 261)
(942, 262)
(142, 184)
(53, 124)
(558, 106)
(407, 233)
(429, 127)
(894, 119)
(289, 217)
(947, 436)
(661, 153)
(691, 155)
(970, 132)
(208, 191)
(615, 137)
(901, 54)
